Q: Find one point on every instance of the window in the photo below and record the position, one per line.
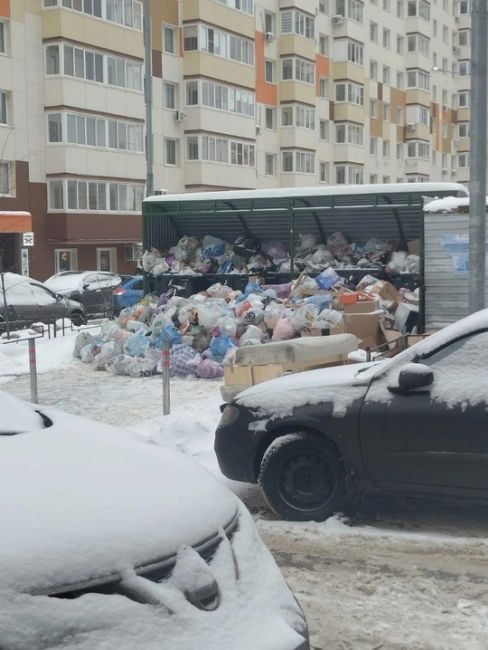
(400, 45)
(373, 70)
(464, 7)
(124, 12)
(54, 127)
(464, 37)
(91, 130)
(349, 92)
(52, 59)
(386, 5)
(399, 116)
(346, 49)
(4, 108)
(373, 146)
(169, 40)
(124, 73)
(170, 149)
(386, 111)
(349, 174)
(348, 133)
(386, 75)
(5, 178)
(219, 43)
(269, 71)
(463, 159)
(324, 129)
(270, 164)
(324, 7)
(269, 22)
(190, 38)
(419, 8)
(464, 68)
(400, 9)
(55, 195)
(246, 6)
(399, 80)
(298, 69)
(386, 148)
(192, 148)
(417, 114)
(418, 79)
(418, 43)
(220, 150)
(445, 34)
(463, 99)
(169, 95)
(269, 118)
(386, 38)
(323, 45)
(287, 161)
(302, 162)
(373, 108)
(373, 32)
(91, 195)
(373, 179)
(323, 88)
(418, 149)
(299, 115)
(463, 130)
(192, 93)
(3, 37)
(324, 172)
(65, 259)
(107, 259)
(352, 9)
(294, 21)
(220, 96)
(399, 151)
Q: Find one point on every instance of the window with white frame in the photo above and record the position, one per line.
(124, 73)
(324, 7)
(386, 5)
(386, 148)
(169, 95)
(386, 75)
(464, 68)
(3, 37)
(347, 49)
(324, 130)
(294, 21)
(419, 8)
(373, 108)
(418, 149)
(170, 151)
(373, 179)
(65, 259)
(323, 88)
(464, 37)
(399, 116)
(346, 174)
(418, 43)
(386, 111)
(353, 9)
(220, 150)
(373, 70)
(417, 78)
(123, 12)
(270, 118)
(323, 45)
(270, 164)
(400, 45)
(6, 178)
(386, 41)
(219, 43)
(298, 115)
(400, 9)
(324, 172)
(399, 151)
(4, 106)
(349, 133)
(463, 159)
(400, 80)
(246, 6)
(170, 39)
(349, 92)
(298, 161)
(463, 130)
(463, 99)
(107, 259)
(269, 23)
(418, 114)
(213, 94)
(94, 196)
(373, 145)
(373, 31)
(464, 7)
(269, 71)
(298, 69)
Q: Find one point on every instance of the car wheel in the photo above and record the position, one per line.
(302, 477)
(78, 318)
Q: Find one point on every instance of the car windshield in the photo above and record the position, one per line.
(18, 416)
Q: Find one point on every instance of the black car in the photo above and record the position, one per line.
(417, 423)
(92, 288)
(24, 301)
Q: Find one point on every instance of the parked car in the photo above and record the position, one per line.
(96, 511)
(29, 301)
(412, 424)
(129, 293)
(92, 288)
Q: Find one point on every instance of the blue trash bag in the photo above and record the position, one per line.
(136, 344)
(251, 287)
(169, 334)
(321, 301)
(327, 278)
(219, 346)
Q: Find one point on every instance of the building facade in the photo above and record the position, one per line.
(246, 94)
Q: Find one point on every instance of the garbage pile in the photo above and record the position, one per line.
(192, 256)
(204, 330)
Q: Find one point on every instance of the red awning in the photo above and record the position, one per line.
(15, 221)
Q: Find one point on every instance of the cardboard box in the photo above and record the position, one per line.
(414, 247)
(250, 375)
(315, 331)
(387, 291)
(364, 326)
(362, 307)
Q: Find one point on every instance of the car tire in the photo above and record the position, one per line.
(302, 477)
(77, 318)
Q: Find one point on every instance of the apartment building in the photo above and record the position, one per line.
(247, 93)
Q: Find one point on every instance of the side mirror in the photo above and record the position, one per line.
(412, 376)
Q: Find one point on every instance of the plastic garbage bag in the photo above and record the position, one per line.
(119, 365)
(107, 352)
(305, 317)
(82, 340)
(180, 360)
(282, 291)
(327, 278)
(136, 326)
(136, 344)
(227, 326)
(397, 262)
(209, 369)
(272, 313)
(219, 290)
(322, 301)
(338, 245)
(201, 339)
(329, 318)
(160, 267)
(89, 351)
(141, 367)
(212, 247)
(412, 264)
(252, 336)
(283, 330)
(219, 346)
(185, 249)
(209, 314)
(149, 259)
(306, 243)
(254, 316)
(376, 248)
(276, 250)
(167, 335)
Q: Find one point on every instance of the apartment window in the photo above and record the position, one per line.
(464, 68)
(445, 34)
(386, 148)
(463, 99)
(464, 37)
(435, 28)
(323, 88)
(418, 149)
(386, 179)
(106, 259)
(192, 148)
(373, 108)
(169, 91)
(418, 43)
(298, 115)
(373, 70)
(419, 8)
(400, 45)
(124, 73)
(399, 151)
(302, 162)
(298, 22)
(386, 111)
(219, 43)
(52, 59)
(220, 150)
(373, 145)
(324, 129)
(169, 39)
(270, 118)
(242, 154)
(3, 38)
(373, 32)
(348, 133)
(418, 79)
(89, 130)
(353, 9)
(269, 71)
(399, 116)
(324, 172)
(463, 129)
(400, 9)
(246, 6)
(270, 164)
(54, 127)
(324, 7)
(324, 45)
(65, 259)
(399, 80)
(298, 69)
(124, 12)
(190, 38)
(269, 22)
(225, 98)
(464, 7)
(349, 92)
(346, 49)
(5, 178)
(348, 174)
(4, 112)
(386, 38)
(373, 179)
(55, 194)
(463, 159)
(386, 5)
(170, 151)
(417, 114)
(386, 75)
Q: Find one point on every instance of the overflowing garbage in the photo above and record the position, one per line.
(246, 255)
(204, 331)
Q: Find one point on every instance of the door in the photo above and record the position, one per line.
(49, 308)
(437, 435)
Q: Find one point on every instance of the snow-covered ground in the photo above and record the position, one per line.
(409, 576)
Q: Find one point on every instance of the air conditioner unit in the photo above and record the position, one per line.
(269, 36)
(180, 116)
(411, 126)
(337, 19)
(132, 252)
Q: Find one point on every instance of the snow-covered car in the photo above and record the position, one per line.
(416, 423)
(92, 288)
(24, 301)
(104, 523)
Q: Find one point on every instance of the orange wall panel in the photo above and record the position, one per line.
(322, 69)
(266, 93)
(5, 8)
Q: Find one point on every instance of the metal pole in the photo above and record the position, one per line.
(147, 27)
(4, 295)
(166, 380)
(477, 133)
(33, 371)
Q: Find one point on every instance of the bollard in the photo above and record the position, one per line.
(33, 371)
(166, 380)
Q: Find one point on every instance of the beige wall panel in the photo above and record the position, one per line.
(18, 8)
(86, 161)
(298, 180)
(415, 96)
(298, 138)
(220, 122)
(351, 71)
(97, 33)
(375, 127)
(350, 153)
(349, 113)
(214, 13)
(420, 132)
(463, 144)
(291, 44)
(162, 12)
(463, 114)
(219, 175)
(296, 91)
(208, 65)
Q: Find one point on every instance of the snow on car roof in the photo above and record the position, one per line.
(17, 416)
(331, 190)
(449, 204)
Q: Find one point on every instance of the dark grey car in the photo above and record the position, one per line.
(24, 301)
(93, 289)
